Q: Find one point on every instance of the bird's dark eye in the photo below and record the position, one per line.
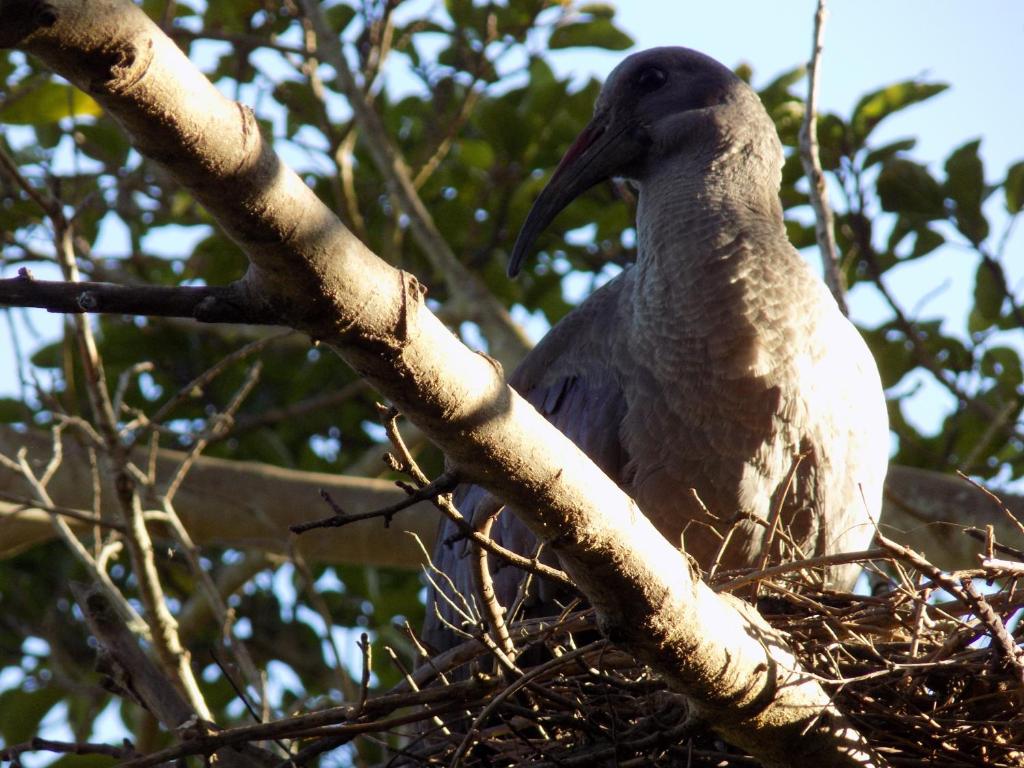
(651, 79)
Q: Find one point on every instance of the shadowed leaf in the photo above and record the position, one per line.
(599, 33)
(906, 187)
(875, 107)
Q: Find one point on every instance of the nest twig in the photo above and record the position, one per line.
(928, 676)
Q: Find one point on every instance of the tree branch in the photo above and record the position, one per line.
(217, 304)
(823, 224)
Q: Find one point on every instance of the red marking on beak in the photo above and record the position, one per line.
(583, 142)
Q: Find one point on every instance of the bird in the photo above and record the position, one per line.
(715, 379)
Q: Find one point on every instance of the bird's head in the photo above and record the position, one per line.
(655, 105)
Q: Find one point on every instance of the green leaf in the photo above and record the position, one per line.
(48, 103)
(216, 260)
(49, 356)
(875, 107)
(965, 183)
(908, 188)
(598, 33)
(927, 240)
(339, 16)
(1013, 187)
(892, 353)
(1003, 363)
(12, 410)
(832, 145)
(104, 141)
(597, 10)
(883, 153)
(231, 15)
(777, 91)
(21, 711)
(799, 234)
(461, 11)
(988, 294)
(788, 117)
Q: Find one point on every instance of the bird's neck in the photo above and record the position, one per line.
(707, 235)
(715, 269)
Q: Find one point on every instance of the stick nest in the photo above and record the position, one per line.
(925, 668)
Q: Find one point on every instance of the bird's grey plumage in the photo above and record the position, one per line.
(718, 362)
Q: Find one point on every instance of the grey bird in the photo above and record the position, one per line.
(715, 380)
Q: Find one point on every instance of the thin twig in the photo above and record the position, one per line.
(214, 426)
(204, 379)
(25, 504)
(444, 483)
(492, 610)
(839, 558)
(824, 228)
(999, 502)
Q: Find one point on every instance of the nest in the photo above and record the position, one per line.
(926, 669)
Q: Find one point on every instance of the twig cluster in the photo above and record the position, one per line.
(929, 676)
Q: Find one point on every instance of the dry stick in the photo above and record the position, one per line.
(999, 502)
(223, 615)
(203, 380)
(215, 426)
(965, 591)
(24, 504)
(1013, 654)
(776, 514)
(345, 684)
(217, 423)
(492, 610)
(164, 635)
(343, 157)
(92, 565)
(364, 681)
(823, 225)
(493, 704)
(124, 380)
(431, 164)
(405, 463)
(323, 723)
(36, 744)
(207, 304)
(411, 682)
(443, 484)
(994, 568)
(840, 558)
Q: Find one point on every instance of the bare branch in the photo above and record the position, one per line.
(823, 225)
(204, 304)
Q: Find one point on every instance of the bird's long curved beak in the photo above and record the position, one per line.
(603, 149)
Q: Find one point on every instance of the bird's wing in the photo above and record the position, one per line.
(565, 379)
